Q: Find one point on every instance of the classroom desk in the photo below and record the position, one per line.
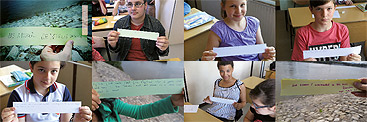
(200, 116)
(353, 18)
(106, 26)
(196, 39)
(5, 91)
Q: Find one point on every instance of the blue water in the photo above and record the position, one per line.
(14, 10)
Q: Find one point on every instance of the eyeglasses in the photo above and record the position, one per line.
(257, 107)
(137, 5)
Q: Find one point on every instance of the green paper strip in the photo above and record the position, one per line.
(41, 36)
(138, 87)
(311, 87)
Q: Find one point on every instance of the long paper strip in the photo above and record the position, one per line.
(310, 87)
(138, 87)
(138, 34)
(239, 50)
(41, 36)
(221, 100)
(46, 107)
(331, 52)
(191, 108)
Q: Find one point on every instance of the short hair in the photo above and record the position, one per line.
(223, 63)
(265, 92)
(315, 3)
(62, 63)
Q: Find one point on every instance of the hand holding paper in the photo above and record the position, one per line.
(207, 100)
(162, 43)
(9, 115)
(178, 99)
(361, 86)
(113, 38)
(95, 100)
(269, 54)
(52, 53)
(84, 115)
(354, 57)
(208, 55)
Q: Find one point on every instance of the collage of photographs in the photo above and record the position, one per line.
(183, 60)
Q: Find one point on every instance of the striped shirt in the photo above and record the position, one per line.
(225, 110)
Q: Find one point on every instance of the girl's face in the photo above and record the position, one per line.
(262, 111)
(45, 73)
(225, 71)
(323, 13)
(235, 9)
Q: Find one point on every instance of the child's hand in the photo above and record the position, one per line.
(269, 53)
(309, 59)
(353, 57)
(9, 115)
(162, 43)
(348, 2)
(361, 86)
(113, 38)
(208, 55)
(207, 100)
(238, 106)
(52, 53)
(178, 99)
(95, 100)
(84, 115)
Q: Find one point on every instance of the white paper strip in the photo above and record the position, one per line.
(46, 107)
(138, 34)
(191, 108)
(239, 50)
(331, 52)
(340, 7)
(221, 100)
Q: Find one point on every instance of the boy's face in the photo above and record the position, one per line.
(136, 8)
(235, 9)
(225, 71)
(45, 73)
(323, 13)
(262, 111)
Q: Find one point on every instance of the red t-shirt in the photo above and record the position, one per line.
(309, 39)
(136, 52)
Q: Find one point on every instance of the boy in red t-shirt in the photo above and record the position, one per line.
(322, 34)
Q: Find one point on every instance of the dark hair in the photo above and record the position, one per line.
(265, 92)
(315, 3)
(223, 63)
(62, 63)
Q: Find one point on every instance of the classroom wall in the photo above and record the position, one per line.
(165, 10)
(200, 76)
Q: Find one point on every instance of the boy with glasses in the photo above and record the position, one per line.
(136, 49)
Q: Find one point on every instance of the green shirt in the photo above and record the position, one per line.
(157, 108)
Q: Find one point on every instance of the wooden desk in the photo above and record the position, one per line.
(196, 39)
(353, 18)
(5, 91)
(200, 116)
(106, 26)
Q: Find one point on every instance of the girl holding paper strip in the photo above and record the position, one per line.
(263, 102)
(322, 34)
(236, 30)
(227, 87)
(42, 87)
